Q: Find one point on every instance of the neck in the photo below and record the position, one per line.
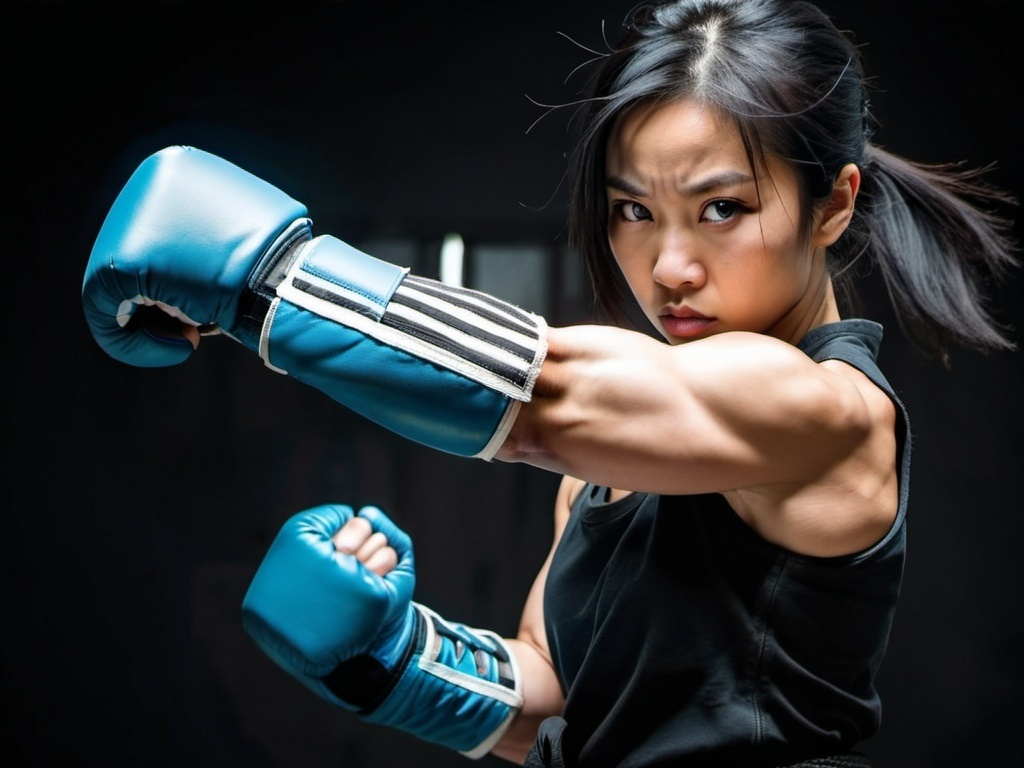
(817, 307)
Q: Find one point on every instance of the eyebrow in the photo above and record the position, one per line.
(725, 179)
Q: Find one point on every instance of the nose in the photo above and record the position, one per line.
(678, 265)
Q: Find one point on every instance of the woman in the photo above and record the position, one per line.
(730, 531)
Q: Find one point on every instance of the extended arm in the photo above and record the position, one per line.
(220, 250)
(213, 247)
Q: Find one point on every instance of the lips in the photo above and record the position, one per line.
(686, 323)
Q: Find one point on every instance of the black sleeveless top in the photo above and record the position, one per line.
(683, 638)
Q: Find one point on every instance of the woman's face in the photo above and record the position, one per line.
(704, 246)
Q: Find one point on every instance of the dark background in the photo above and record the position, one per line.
(140, 502)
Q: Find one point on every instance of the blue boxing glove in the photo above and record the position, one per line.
(194, 239)
(311, 607)
(184, 235)
(360, 642)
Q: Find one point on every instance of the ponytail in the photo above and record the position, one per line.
(935, 235)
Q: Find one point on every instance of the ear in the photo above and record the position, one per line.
(838, 211)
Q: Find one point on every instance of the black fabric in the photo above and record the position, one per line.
(681, 637)
(547, 752)
(547, 749)
(851, 760)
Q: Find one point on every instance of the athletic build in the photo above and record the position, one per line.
(750, 468)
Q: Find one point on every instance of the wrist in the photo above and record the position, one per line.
(459, 687)
(366, 680)
(261, 288)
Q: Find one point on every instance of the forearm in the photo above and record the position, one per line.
(542, 698)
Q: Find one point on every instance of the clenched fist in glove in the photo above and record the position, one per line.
(193, 241)
(353, 634)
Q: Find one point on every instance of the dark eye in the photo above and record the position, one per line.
(721, 210)
(633, 211)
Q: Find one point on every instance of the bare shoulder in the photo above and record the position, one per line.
(568, 490)
(873, 395)
(852, 504)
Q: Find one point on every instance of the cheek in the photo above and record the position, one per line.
(761, 280)
(786, 260)
(784, 243)
(797, 262)
(637, 273)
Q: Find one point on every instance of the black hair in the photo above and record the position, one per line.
(794, 86)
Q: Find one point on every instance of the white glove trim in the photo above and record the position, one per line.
(504, 354)
(511, 696)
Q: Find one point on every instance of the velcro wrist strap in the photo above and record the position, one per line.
(461, 688)
(445, 366)
(477, 335)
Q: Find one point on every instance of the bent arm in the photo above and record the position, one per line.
(542, 691)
